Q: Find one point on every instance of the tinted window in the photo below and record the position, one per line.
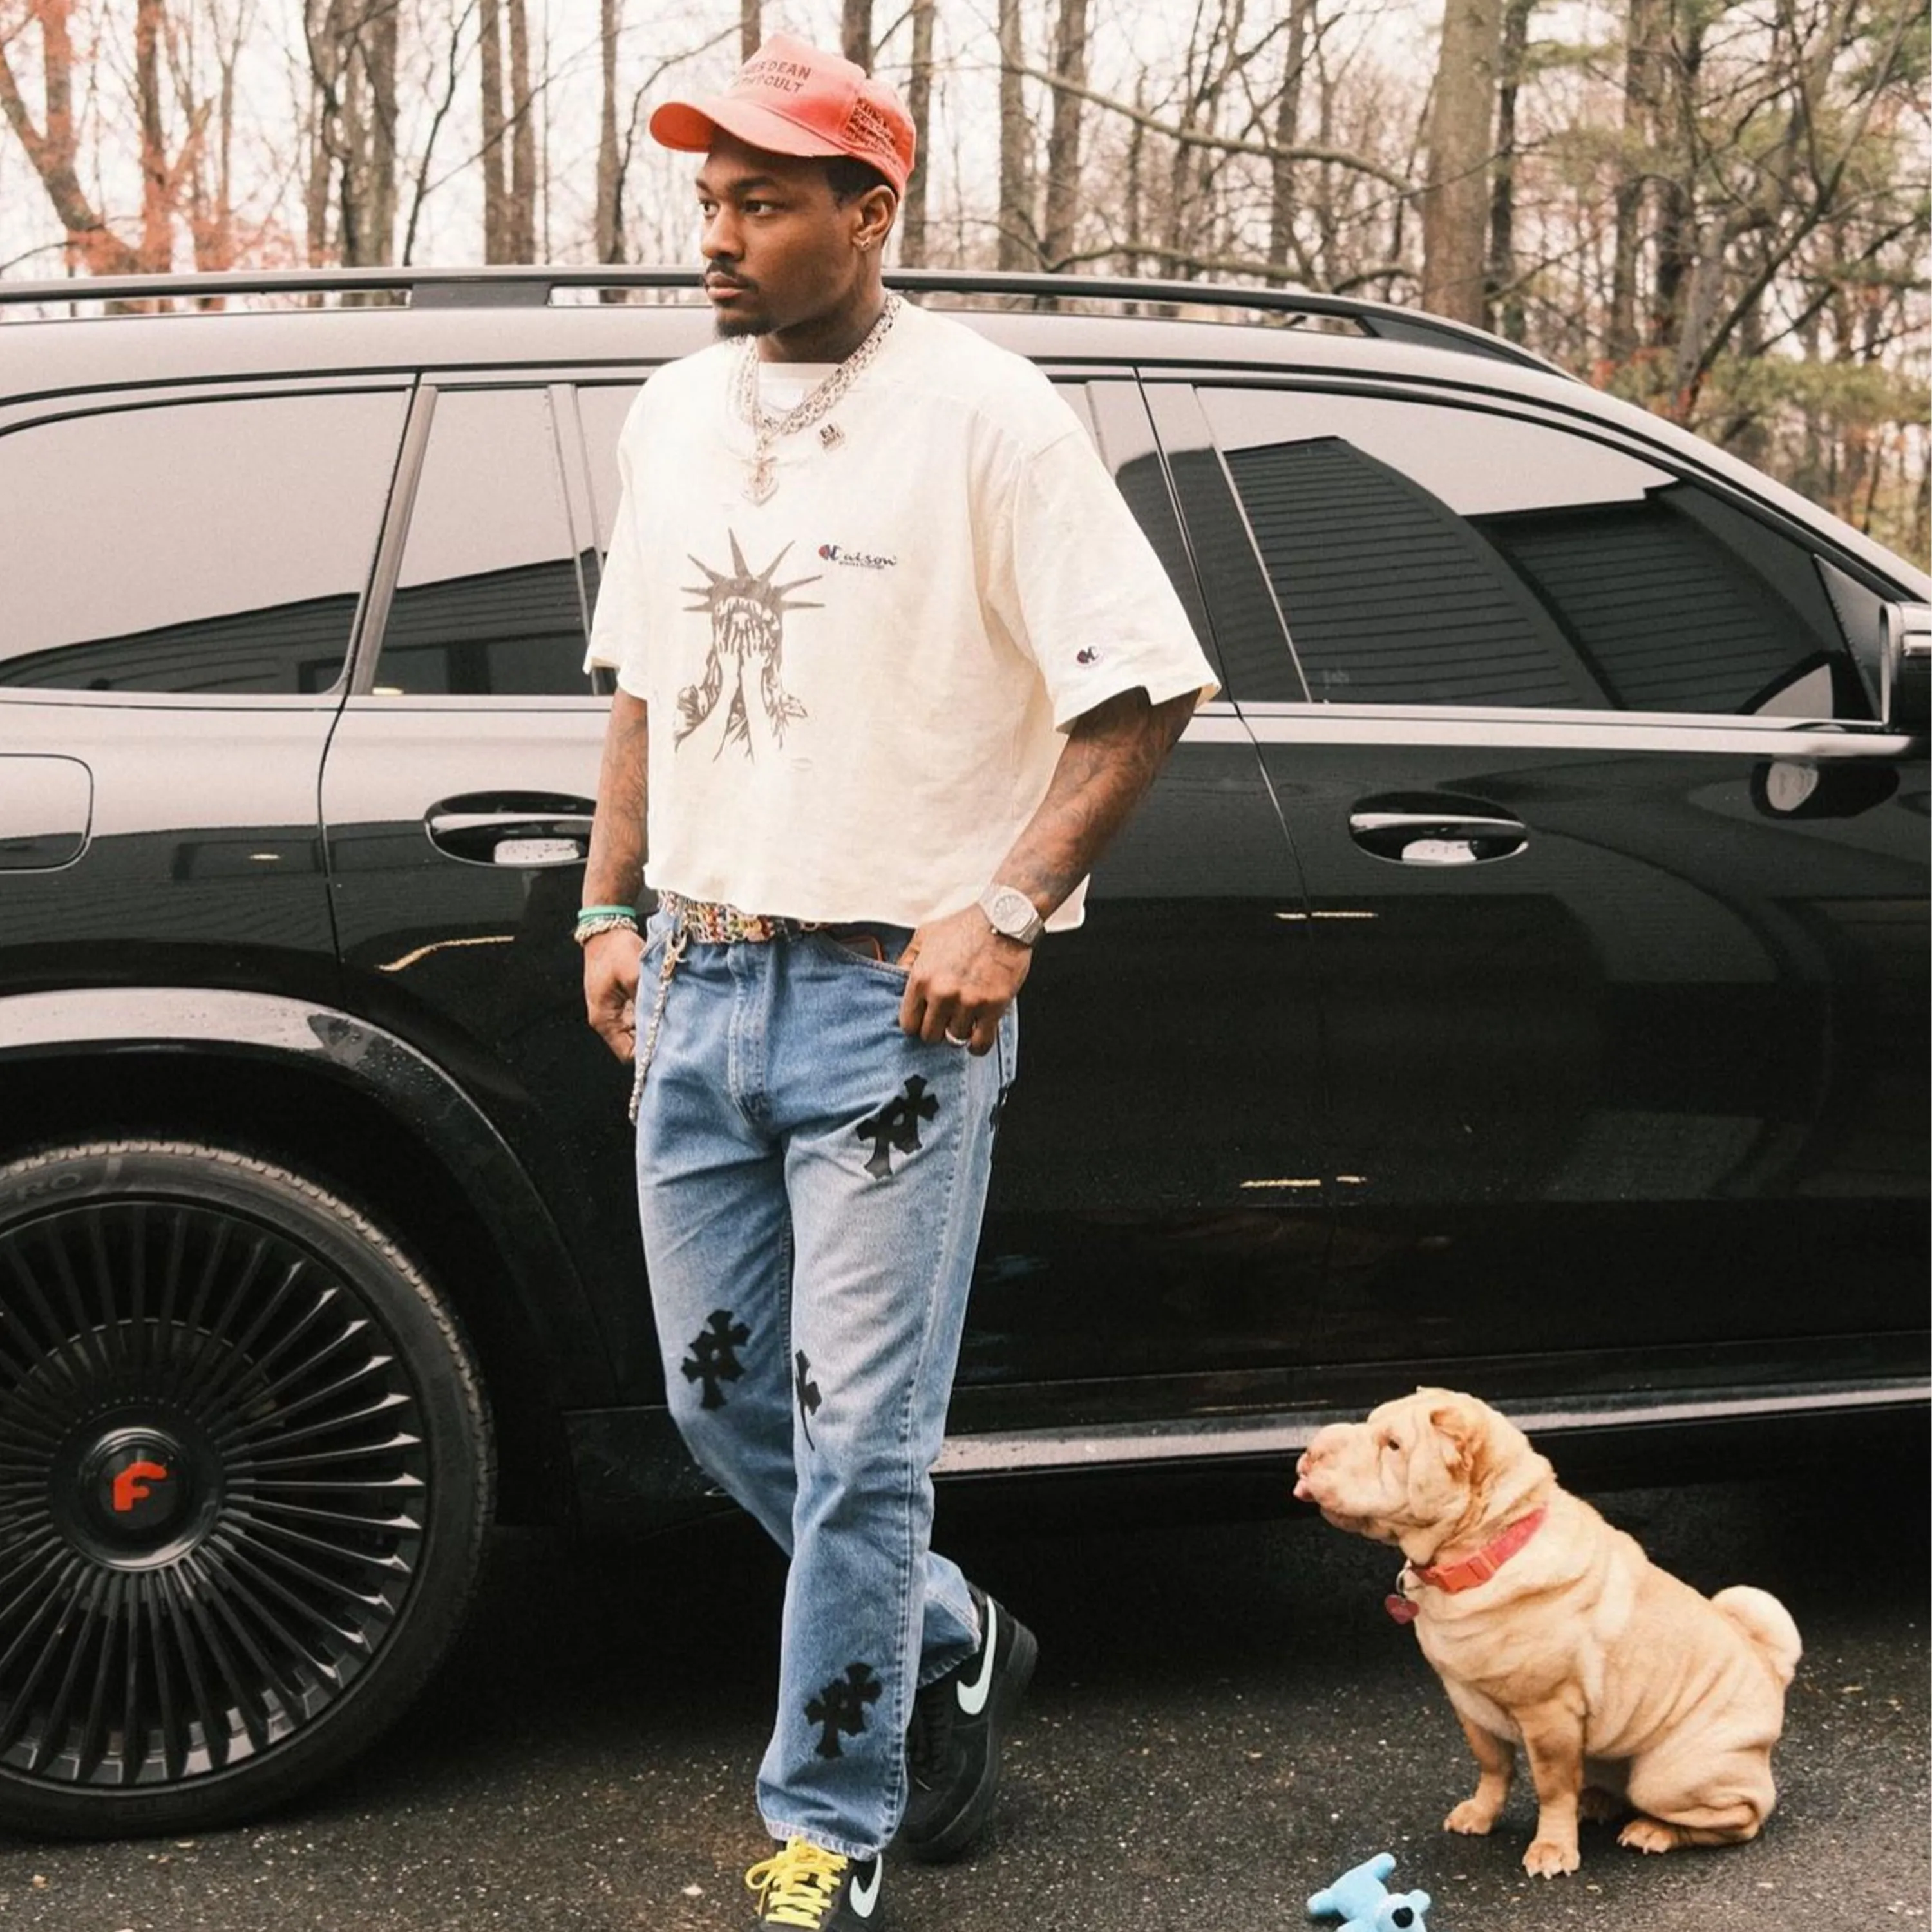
(1118, 419)
(1449, 555)
(601, 409)
(200, 548)
(488, 603)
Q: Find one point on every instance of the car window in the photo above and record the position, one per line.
(202, 548)
(1117, 417)
(488, 603)
(602, 408)
(1434, 554)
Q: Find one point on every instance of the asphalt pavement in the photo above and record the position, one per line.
(1224, 1720)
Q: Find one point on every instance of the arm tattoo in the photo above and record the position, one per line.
(1110, 759)
(614, 874)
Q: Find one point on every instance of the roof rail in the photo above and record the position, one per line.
(533, 287)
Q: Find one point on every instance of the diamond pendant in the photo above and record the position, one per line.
(763, 480)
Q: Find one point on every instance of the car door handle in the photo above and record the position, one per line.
(521, 829)
(1450, 838)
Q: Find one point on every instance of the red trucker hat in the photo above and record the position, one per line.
(793, 98)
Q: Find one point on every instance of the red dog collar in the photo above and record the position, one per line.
(1472, 1570)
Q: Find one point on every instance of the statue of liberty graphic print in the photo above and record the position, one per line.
(747, 642)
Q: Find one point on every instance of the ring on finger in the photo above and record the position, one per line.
(953, 1040)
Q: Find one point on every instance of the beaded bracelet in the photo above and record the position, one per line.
(594, 919)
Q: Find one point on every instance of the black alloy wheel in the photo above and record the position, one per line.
(245, 1472)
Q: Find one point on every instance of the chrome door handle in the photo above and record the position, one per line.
(520, 829)
(1412, 837)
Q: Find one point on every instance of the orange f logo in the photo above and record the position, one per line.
(129, 1488)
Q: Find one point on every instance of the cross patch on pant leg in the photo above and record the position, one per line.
(714, 1358)
(896, 1125)
(809, 1396)
(841, 1705)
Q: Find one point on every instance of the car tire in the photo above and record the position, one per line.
(245, 1475)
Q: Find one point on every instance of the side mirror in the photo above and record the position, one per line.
(1905, 665)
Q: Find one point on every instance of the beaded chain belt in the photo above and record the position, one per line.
(710, 923)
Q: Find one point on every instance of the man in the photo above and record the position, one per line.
(893, 663)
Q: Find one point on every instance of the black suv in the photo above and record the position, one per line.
(1517, 980)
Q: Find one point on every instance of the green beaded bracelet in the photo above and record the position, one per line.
(600, 912)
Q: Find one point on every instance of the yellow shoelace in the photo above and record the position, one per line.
(795, 1885)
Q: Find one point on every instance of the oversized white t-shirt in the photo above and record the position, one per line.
(857, 688)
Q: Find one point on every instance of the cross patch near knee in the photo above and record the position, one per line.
(714, 1358)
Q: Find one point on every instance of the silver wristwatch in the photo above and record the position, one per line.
(1012, 913)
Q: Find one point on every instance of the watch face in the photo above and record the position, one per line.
(1011, 912)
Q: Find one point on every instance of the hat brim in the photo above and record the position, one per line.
(691, 126)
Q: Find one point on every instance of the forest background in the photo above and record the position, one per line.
(1718, 210)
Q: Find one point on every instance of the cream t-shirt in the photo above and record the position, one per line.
(857, 688)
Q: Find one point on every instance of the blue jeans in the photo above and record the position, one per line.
(811, 1180)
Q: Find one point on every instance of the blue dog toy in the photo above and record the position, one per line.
(1367, 1905)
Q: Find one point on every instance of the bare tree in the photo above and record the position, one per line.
(521, 214)
(750, 30)
(1015, 217)
(452, 70)
(1640, 105)
(1503, 298)
(495, 186)
(855, 32)
(52, 146)
(1287, 126)
(1455, 199)
(919, 105)
(1063, 152)
(610, 213)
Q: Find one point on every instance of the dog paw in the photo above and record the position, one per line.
(1649, 1834)
(1472, 1818)
(1547, 1858)
(1599, 1806)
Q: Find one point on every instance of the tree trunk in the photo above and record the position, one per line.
(610, 217)
(751, 31)
(1640, 132)
(1062, 151)
(1504, 300)
(319, 18)
(217, 250)
(1016, 229)
(1136, 178)
(855, 32)
(1455, 201)
(496, 194)
(919, 105)
(157, 250)
(351, 150)
(522, 208)
(379, 38)
(1287, 126)
(1677, 240)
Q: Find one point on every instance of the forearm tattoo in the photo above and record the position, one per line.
(1109, 760)
(614, 874)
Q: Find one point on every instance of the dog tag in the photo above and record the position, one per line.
(1399, 1607)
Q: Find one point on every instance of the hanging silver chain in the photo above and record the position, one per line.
(768, 426)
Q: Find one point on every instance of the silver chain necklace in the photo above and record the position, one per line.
(767, 426)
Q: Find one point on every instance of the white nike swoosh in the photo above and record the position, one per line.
(862, 1898)
(973, 1696)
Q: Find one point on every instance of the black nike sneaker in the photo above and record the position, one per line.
(806, 1885)
(953, 1744)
